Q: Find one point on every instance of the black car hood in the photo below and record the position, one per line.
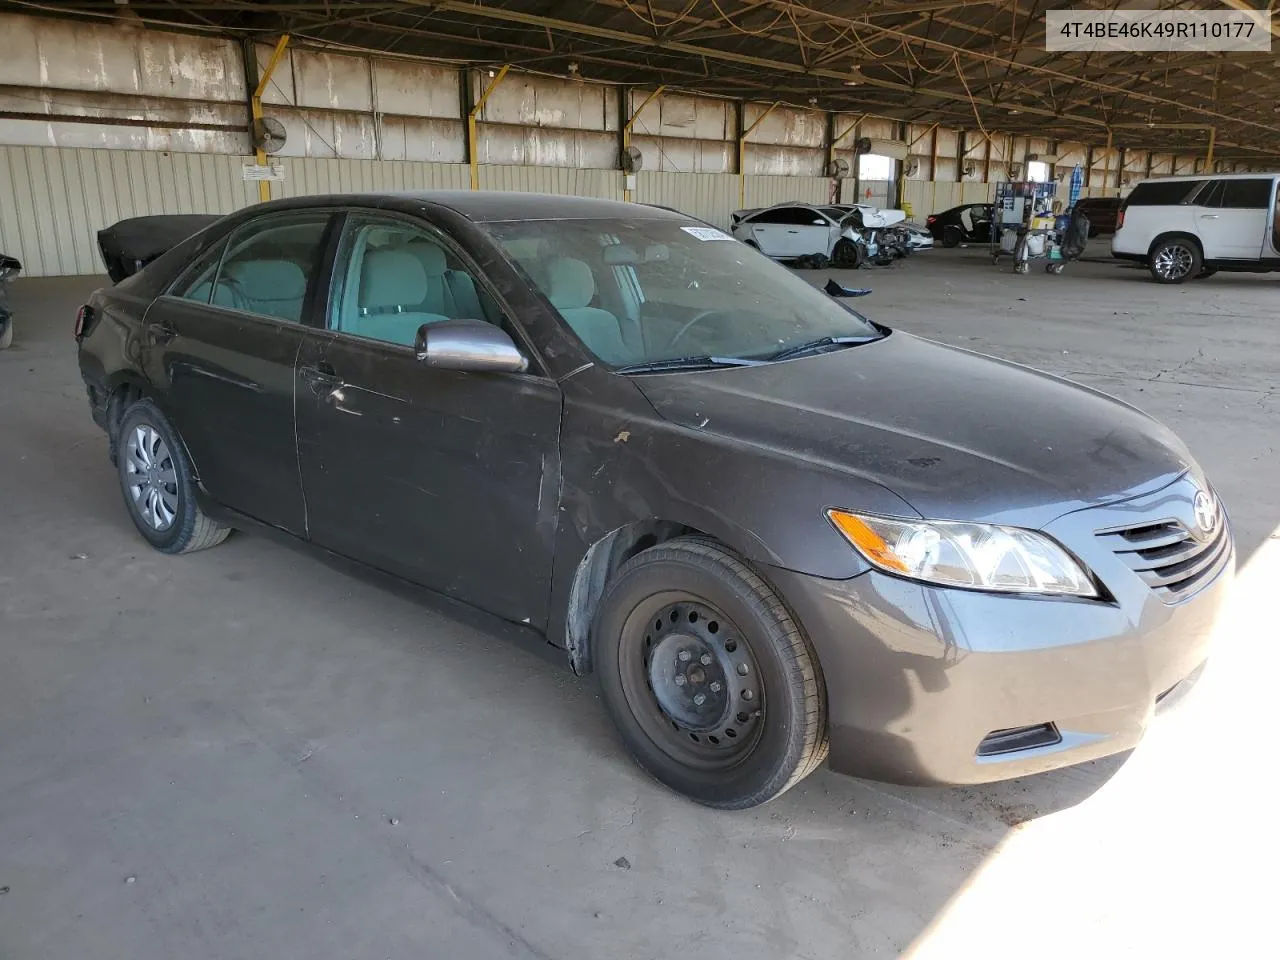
(955, 434)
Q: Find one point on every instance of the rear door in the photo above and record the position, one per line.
(445, 478)
(769, 231)
(1232, 217)
(221, 346)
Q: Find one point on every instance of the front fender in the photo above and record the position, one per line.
(623, 463)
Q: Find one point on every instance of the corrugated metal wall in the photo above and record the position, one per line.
(306, 176)
(55, 200)
(605, 184)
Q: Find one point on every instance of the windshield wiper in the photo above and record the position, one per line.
(686, 363)
(802, 348)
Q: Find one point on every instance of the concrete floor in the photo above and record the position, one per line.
(249, 753)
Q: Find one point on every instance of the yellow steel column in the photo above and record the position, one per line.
(1106, 161)
(742, 153)
(626, 127)
(255, 110)
(1208, 157)
(471, 125)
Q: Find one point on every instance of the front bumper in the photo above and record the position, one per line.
(918, 676)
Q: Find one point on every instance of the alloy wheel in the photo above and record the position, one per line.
(1173, 261)
(150, 477)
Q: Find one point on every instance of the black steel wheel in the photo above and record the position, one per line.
(952, 236)
(712, 685)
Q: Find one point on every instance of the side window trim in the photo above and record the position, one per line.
(193, 270)
(1210, 195)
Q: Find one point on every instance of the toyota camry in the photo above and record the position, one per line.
(777, 532)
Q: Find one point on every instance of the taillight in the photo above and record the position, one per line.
(1120, 218)
(84, 317)
(930, 219)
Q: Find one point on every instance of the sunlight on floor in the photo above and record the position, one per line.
(1175, 854)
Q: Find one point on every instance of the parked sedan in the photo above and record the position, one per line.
(967, 223)
(774, 529)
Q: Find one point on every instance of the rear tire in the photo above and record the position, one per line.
(952, 236)
(157, 485)
(685, 620)
(1175, 260)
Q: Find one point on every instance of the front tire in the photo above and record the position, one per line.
(157, 485)
(711, 683)
(848, 254)
(1175, 260)
(6, 335)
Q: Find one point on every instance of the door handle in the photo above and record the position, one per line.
(793, 231)
(161, 332)
(1208, 216)
(321, 376)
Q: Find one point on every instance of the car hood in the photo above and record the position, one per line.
(956, 434)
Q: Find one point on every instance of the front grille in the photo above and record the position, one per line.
(1168, 557)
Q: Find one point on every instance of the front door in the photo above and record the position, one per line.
(444, 478)
(221, 347)
(1232, 218)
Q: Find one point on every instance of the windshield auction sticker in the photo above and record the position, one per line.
(706, 233)
(1157, 30)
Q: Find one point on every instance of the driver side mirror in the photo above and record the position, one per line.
(472, 345)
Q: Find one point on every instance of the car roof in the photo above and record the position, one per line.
(1213, 176)
(491, 206)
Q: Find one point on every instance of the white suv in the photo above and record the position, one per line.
(1184, 228)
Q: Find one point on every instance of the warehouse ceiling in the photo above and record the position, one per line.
(966, 63)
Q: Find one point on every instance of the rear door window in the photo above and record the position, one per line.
(269, 265)
(1248, 194)
(1164, 193)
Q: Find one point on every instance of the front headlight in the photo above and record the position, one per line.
(975, 556)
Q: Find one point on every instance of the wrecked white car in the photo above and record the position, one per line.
(818, 235)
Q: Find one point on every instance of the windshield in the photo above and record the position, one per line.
(639, 291)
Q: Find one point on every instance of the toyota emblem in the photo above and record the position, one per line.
(1206, 510)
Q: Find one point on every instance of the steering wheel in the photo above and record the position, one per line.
(692, 322)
